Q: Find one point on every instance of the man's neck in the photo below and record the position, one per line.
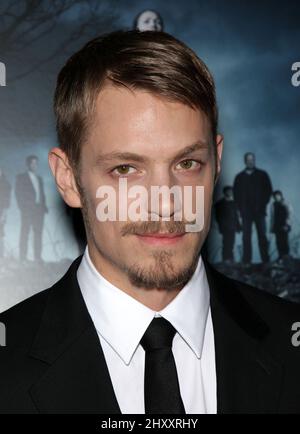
(249, 170)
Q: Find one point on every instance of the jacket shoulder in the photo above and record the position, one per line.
(272, 309)
(239, 175)
(21, 320)
(262, 172)
(21, 176)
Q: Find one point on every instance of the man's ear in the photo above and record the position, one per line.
(219, 150)
(64, 177)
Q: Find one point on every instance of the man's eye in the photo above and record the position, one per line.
(124, 169)
(188, 164)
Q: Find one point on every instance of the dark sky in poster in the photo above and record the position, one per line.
(249, 47)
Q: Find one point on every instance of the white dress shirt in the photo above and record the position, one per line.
(121, 321)
(36, 185)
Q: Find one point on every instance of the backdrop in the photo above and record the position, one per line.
(252, 49)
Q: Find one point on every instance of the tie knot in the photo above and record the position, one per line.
(158, 335)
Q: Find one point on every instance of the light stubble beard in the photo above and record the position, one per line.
(162, 274)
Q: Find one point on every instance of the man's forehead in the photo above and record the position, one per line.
(139, 99)
(139, 121)
(148, 14)
(140, 111)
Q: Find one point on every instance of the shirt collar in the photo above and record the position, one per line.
(31, 174)
(122, 320)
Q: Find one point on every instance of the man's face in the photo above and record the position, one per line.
(149, 20)
(229, 194)
(250, 161)
(32, 166)
(278, 197)
(150, 133)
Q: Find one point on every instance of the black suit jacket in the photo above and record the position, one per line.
(260, 192)
(25, 193)
(53, 361)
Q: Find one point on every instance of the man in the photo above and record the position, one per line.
(252, 192)
(227, 218)
(31, 201)
(141, 323)
(280, 224)
(5, 191)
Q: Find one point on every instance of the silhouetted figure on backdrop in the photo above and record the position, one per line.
(5, 191)
(32, 204)
(227, 217)
(252, 192)
(148, 20)
(280, 224)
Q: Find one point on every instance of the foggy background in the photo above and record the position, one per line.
(248, 46)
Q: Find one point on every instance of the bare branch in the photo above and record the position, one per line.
(34, 25)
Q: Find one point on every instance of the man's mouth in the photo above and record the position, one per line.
(159, 238)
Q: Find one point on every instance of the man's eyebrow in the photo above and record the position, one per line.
(191, 148)
(131, 156)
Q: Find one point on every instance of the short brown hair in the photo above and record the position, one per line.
(151, 60)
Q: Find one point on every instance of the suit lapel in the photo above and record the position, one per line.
(76, 379)
(248, 377)
(29, 184)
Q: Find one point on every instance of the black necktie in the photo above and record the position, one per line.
(162, 394)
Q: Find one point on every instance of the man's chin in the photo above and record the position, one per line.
(162, 271)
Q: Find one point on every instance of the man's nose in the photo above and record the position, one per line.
(164, 197)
